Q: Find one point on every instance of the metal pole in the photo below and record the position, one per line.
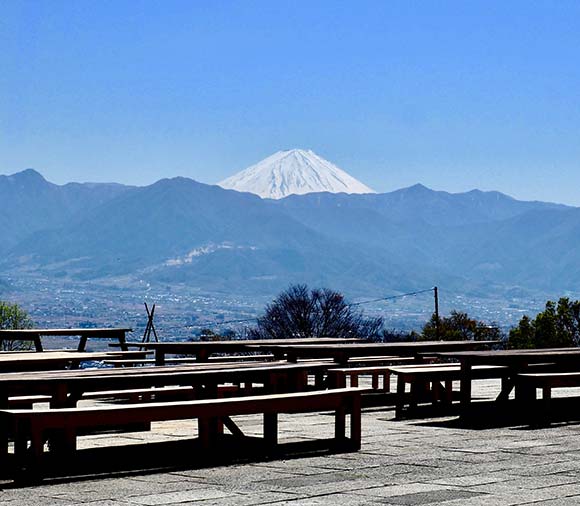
(436, 295)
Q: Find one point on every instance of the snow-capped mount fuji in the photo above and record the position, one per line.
(293, 172)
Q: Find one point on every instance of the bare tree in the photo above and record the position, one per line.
(299, 312)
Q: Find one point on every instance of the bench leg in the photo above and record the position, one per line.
(400, 403)
(449, 391)
(387, 381)
(203, 428)
(271, 429)
(27, 460)
(375, 380)
(507, 385)
(355, 423)
(82, 343)
(340, 425)
(63, 441)
(525, 394)
(4, 430)
(38, 343)
(20, 444)
(36, 450)
(337, 380)
(547, 395)
(436, 392)
(417, 389)
(546, 402)
(319, 380)
(301, 384)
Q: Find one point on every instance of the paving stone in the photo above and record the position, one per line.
(338, 499)
(389, 491)
(565, 501)
(431, 497)
(198, 494)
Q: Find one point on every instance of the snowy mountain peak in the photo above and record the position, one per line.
(295, 171)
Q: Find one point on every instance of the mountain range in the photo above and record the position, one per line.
(182, 231)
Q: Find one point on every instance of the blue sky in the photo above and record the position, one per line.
(452, 94)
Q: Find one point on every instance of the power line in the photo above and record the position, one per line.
(247, 320)
(223, 323)
(391, 297)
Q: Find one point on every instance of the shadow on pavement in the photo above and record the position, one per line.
(148, 458)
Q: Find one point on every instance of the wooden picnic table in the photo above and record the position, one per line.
(66, 387)
(517, 361)
(341, 353)
(34, 335)
(203, 349)
(40, 361)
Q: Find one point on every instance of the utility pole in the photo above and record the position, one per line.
(436, 295)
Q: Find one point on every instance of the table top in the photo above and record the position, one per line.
(377, 348)
(90, 332)
(11, 361)
(513, 356)
(240, 343)
(194, 368)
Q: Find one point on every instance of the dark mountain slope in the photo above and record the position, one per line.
(30, 204)
(179, 230)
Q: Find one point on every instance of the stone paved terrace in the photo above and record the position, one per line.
(412, 462)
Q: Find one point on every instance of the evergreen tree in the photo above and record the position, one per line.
(459, 326)
(556, 327)
(13, 317)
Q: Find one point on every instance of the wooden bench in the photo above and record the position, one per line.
(146, 361)
(435, 382)
(36, 426)
(380, 360)
(338, 377)
(362, 366)
(126, 395)
(359, 366)
(527, 385)
(133, 395)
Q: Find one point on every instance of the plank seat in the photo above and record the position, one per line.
(26, 401)
(173, 393)
(551, 379)
(380, 360)
(128, 395)
(435, 381)
(189, 360)
(370, 360)
(146, 361)
(37, 425)
(527, 385)
(134, 395)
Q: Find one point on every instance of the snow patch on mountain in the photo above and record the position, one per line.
(204, 250)
(296, 171)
